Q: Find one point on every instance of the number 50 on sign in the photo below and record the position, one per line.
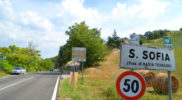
(130, 85)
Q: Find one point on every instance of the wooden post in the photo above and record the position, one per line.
(73, 78)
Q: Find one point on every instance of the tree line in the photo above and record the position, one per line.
(81, 35)
(28, 58)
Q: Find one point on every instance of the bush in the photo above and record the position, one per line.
(6, 66)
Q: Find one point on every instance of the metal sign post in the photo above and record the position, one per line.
(169, 85)
(134, 40)
(79, 54)
(168, 44)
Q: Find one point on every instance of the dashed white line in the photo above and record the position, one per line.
(15, 83)
(55, 90)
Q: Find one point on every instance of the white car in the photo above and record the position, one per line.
(18, 70)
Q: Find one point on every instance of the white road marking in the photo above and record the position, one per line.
(55, 90)
(15, 83)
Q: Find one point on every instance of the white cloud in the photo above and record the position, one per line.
(29, 26)
(152, 8)
(48, 32)
(6, 12)
(74, 11)
(34, 19)
(129, 18)
(148, 9)
(122, 11)
(122, 17)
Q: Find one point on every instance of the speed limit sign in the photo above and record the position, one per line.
(131, 85)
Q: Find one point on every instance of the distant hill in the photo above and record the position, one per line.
(176, 37)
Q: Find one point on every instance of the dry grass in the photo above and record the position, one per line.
(107, 70)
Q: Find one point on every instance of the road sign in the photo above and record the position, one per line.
(79, 54)
(134, 39)
(142, 57)
(168, 45)
(130, 85)
(167, 42)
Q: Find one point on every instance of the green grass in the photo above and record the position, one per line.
(89, 90)
(176, 41)
(101, 86)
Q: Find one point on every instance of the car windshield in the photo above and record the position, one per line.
(18, 68)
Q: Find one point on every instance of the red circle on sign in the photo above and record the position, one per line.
(137, 75)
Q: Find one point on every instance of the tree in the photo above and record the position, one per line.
(110, 42)
(114, 41)
(27, 58)
(80, 35)
(63, 56)
(35, 55)
(46, 64)
(155, 34)
(54, 60)
(4, 51)
(180, 29)
(4, 64)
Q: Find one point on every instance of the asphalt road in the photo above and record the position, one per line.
(35, 86)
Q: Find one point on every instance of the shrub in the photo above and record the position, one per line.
(6, 66)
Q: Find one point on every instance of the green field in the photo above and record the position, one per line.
(99, 83)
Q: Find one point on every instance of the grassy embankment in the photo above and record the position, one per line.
(3, 74)
(99, 82)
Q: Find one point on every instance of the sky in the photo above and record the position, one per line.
(44, 22)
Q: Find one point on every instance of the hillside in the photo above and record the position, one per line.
(176, 37)
(99, 82)
(177, 47)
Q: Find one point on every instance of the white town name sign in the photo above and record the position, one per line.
(142, 57)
